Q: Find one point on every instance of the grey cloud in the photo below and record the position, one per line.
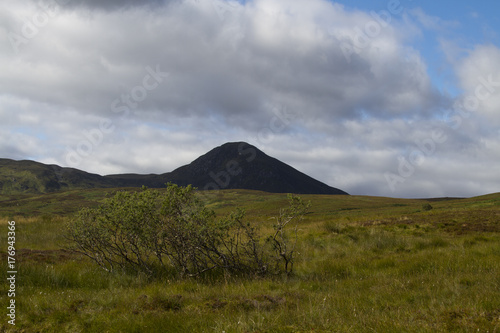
(111, 5)
(224, 66)
(226, 76)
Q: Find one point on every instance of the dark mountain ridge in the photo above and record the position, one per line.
(234, 165)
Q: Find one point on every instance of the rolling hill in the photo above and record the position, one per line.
(235, 165)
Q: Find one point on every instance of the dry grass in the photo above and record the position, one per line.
(366, 264)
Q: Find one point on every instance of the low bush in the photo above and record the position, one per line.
(150, 231)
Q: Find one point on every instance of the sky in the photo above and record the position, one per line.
(397, 98)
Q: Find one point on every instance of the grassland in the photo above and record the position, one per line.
(365, 264)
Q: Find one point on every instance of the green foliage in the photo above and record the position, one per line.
(150, 231)
(385, 267)
(283, 240)
(427, 207)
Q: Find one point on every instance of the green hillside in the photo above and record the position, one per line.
(234, 165)
(29, 177)
(365, 264)
(478, 213)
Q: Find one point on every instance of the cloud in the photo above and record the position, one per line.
(262, 53)
(433, 22)
(135, 87)
(467, 149)
(110, 5)
(479, 75)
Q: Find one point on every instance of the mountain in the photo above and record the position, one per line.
(239, 165)
(33, 177)
(234, 165)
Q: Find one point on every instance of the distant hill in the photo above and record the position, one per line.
(235, 165)
(33, 177)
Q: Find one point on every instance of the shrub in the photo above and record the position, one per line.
(427, 207)
(283, 240)
(149, 230)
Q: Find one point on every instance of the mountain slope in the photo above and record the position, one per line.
(33, 177)
(238, 165)
(235, 165)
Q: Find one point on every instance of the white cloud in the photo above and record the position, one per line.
(269, 72)
(432, 22)
(85, 61)
(479, 75)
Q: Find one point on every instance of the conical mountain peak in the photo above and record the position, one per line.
(233, 165)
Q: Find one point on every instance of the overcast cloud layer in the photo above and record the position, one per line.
(342, 95)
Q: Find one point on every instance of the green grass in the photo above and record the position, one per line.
(365, 264)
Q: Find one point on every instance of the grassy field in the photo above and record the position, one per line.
(365, 264)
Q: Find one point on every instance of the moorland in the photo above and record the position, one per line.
(363, 264)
